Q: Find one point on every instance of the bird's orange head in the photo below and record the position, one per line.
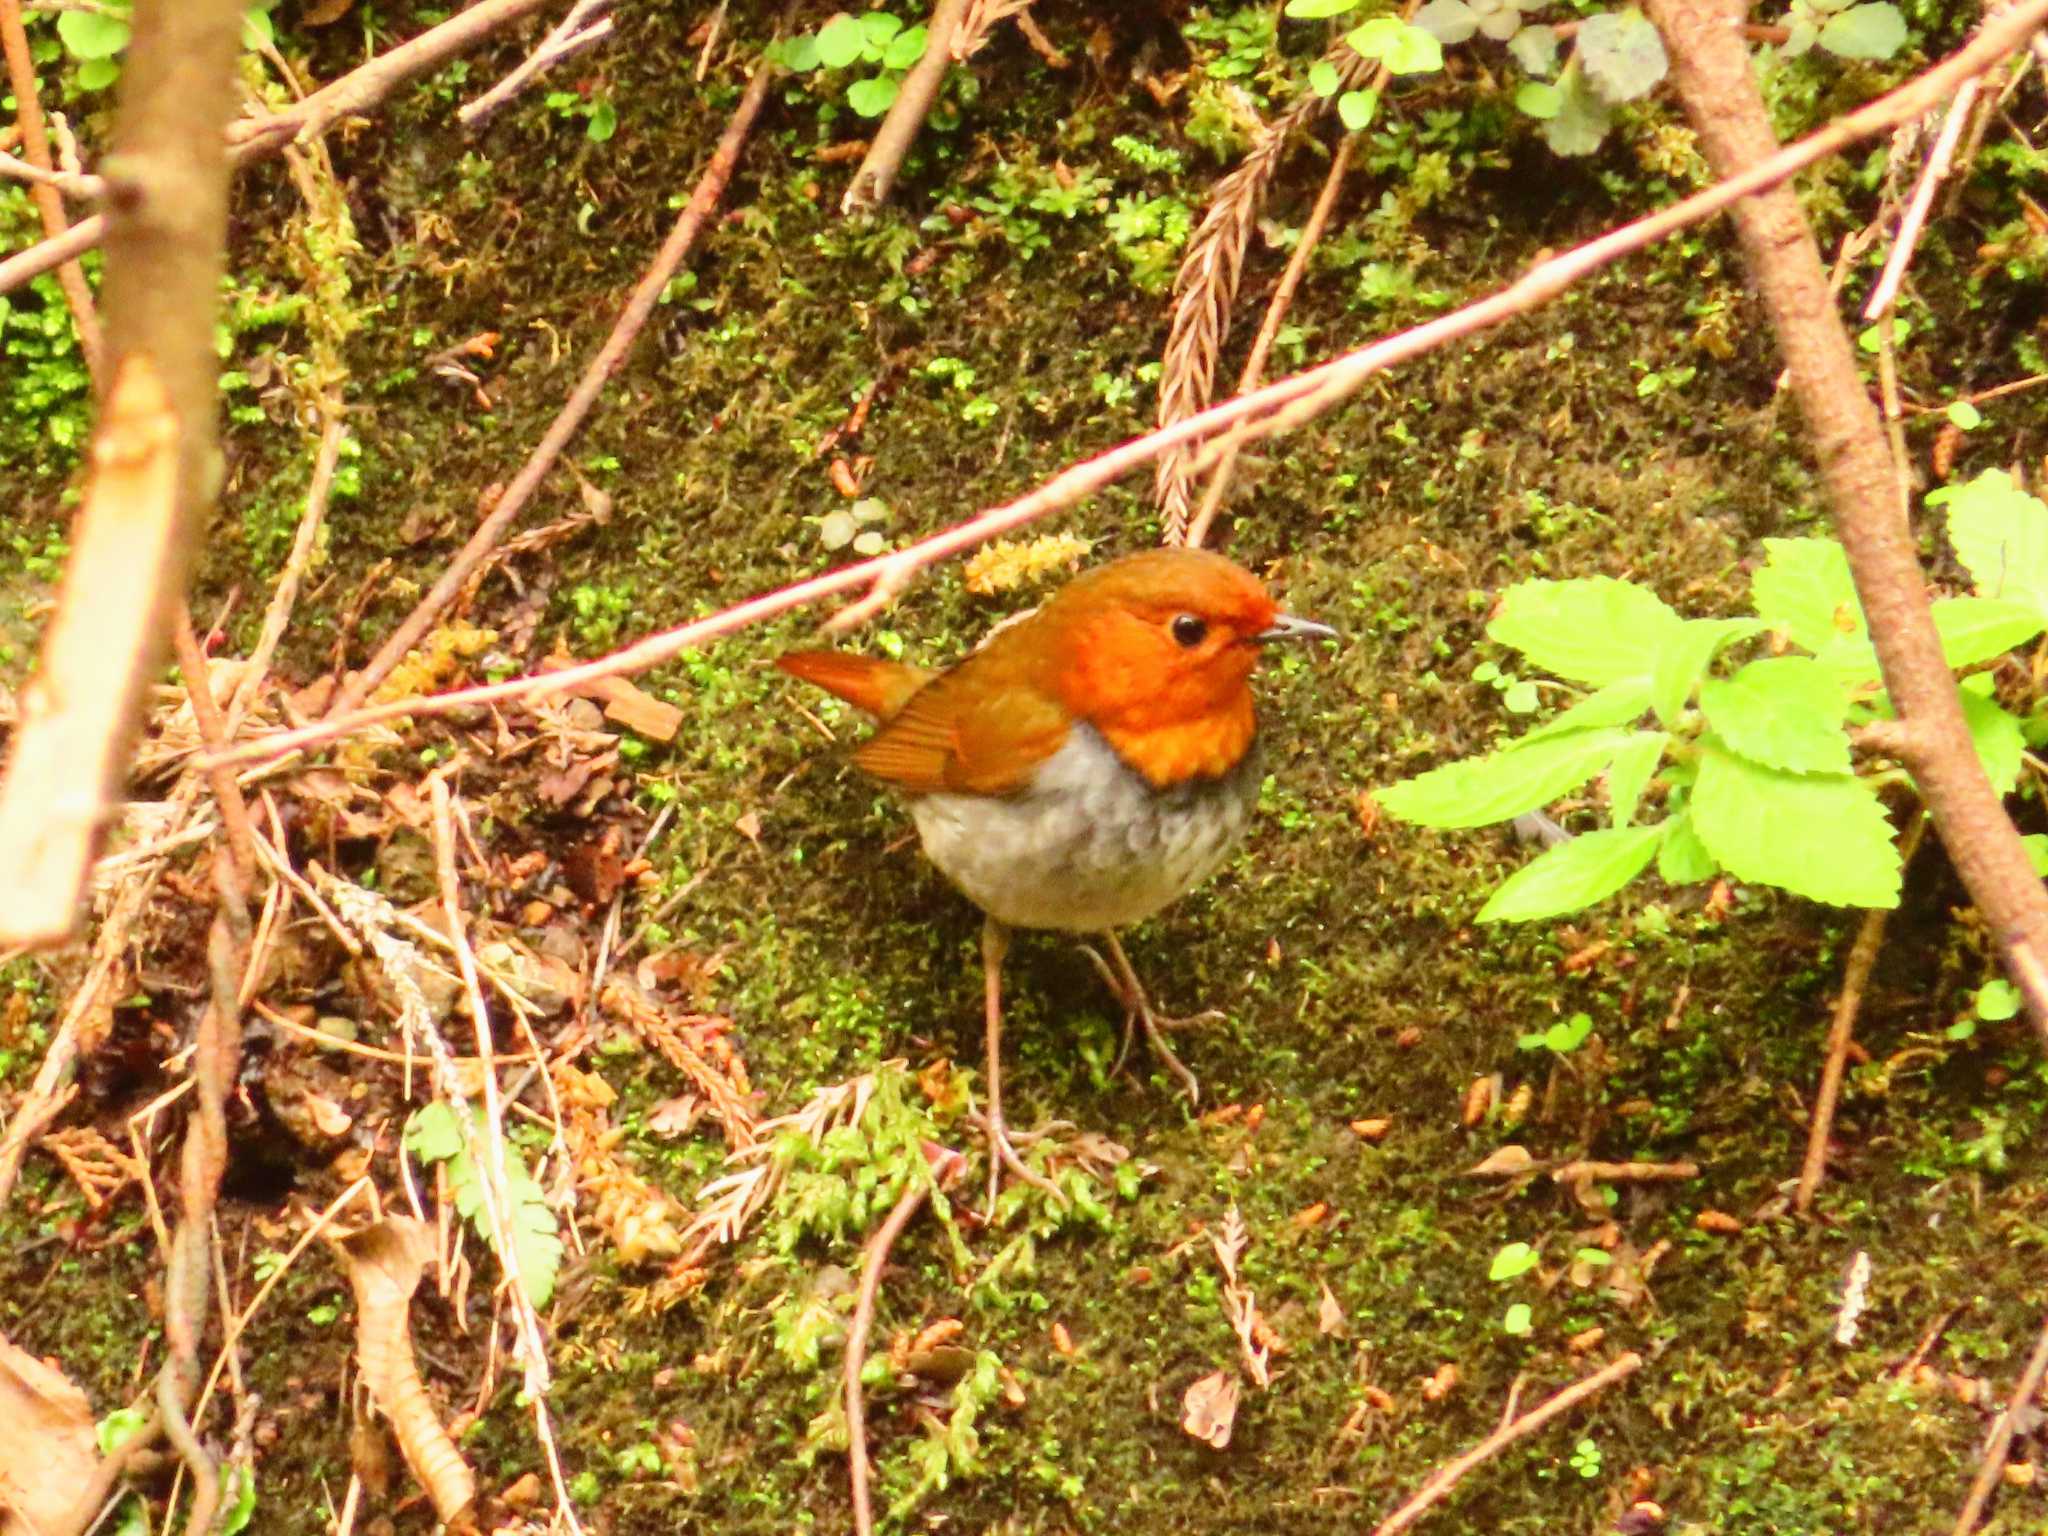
(1156, 651)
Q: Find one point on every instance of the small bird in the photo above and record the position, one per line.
(1093, 761)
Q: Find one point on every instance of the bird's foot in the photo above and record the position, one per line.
(1139, 1013)
(1002, 1154)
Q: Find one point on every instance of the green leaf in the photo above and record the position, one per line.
(1318, 10)
(1518, 1319)
(1593, 629)
(1784, 712)
(877, 28)
(1513, 1260)
(1805, 591)
(1535, 49)
(840, 41)
(1997, 999)
(1619, 703)
(1535, 99)
(905, 48)
(1630, 772)
(1356, 109)
(1622, 55)
(2036, 844)
(1975, 629)
(1450, 22)
(120, 1426)
(1683, 859)
(1589, 868)
(238, 1501)
(1324, 78)
(1822, 836)
(98, 74)
(800, 53)
(1874, 31)
(1995, 733)
(1583, 114)
(603, 121)
(1964, 416)
(91, 35)
(2000, 534)
(1501, 785)
(1684, 658)
(1802, 35)
(434, 1135)
(1521, 698)
(1404, 49)
(257, 31)
(873, 96)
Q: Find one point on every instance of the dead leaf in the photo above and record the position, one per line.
(748, 825)
(677, 1116)
(1505, 1163)
(47, 1450)
(594, 871)
(1209, 1411)
(1329, 1315)
(322, 13)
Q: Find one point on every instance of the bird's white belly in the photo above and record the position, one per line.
(1088, 845)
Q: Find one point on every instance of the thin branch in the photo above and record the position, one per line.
(1454, 1472)
(913, 104)
(1991, 1466)
(1939, 159)
(576, 31)
(639, 307)
(1855, 980)
(873, 1257)
(1265, 412)
(1717, 83)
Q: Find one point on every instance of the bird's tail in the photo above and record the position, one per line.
(881, 688)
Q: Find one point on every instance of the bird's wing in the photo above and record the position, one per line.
(879, 687)
(975, 729)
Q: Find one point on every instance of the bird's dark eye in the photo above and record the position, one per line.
(1189, 630)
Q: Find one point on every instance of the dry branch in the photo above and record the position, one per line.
(898, 131)
(1275, 408)
(2019, 1408)
(1454, 1472)
(576, 31)
(1717, 84)
(873, 1258)
(639, 307)
(46, 192)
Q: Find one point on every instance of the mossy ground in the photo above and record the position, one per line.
(1343, 954)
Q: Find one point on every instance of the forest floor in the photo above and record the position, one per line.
(1378, 1046)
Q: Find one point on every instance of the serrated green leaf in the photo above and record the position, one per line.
(1501, 785)
(1684, 657)
(1622, 55)
(1683, 859)
(91, 34)
(1324, 78)
(1535, 49)
(1450, 22)
(2000, 533)
(1356, 109)
(1534, 98)
(1574, 875)
(1822, 836)
(1783, 712)
(1593, 629)
(1630, 772)
(1318, 10)
(1995, 733)
(1805, 591)
(841, 41)
(1874, 31)
(1975, 629)
(434, 1135)
(1617, 704)
(1583, 114)
(873, 96)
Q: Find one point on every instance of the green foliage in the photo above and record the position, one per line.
(1560, 1039)
(434, 1135)
(875, 40)
(1870, 31)
(1755, 766)
(1513, 1261)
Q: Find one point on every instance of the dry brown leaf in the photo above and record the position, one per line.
(1209, 1411)
(384, 1262)
(1329, 1314)
(1507, 1162)
(47, 1451)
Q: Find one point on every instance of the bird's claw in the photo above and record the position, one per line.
(1138, 1011)
(1002, 1154)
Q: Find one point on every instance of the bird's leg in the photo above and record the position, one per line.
(995, 940)
(1138, 1011)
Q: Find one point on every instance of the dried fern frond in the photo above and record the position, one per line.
(979, 20)
(1205, 289)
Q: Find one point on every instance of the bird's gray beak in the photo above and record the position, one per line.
(1286, 626)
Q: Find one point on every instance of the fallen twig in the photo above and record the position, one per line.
(877, 171)
(576, 31)
(1454, 1472)
(1991, 1465)
(1275, 408)
(639, 307)
(1855, 978)
(873, 1257)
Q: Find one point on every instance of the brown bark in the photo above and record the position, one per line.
(1712, 70)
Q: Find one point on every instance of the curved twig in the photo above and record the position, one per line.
(873, 1257)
